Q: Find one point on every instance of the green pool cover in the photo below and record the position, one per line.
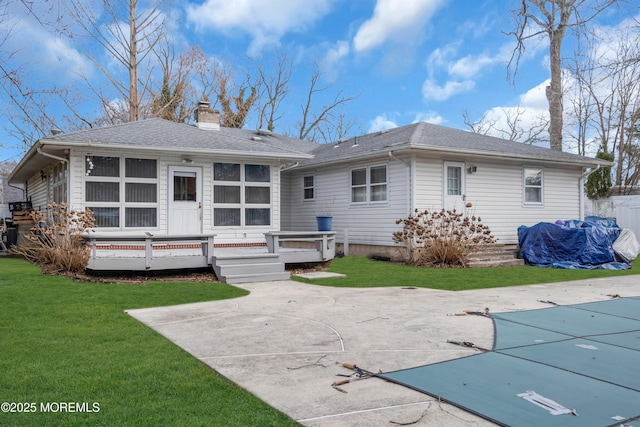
(576, 365)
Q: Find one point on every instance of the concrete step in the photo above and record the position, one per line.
(514, 262)
(245, 268)
(252, 278)
(495, 256)
(249, 268)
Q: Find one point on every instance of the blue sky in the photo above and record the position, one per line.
(405, 60)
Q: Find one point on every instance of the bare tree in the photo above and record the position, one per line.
(31, 111)
(177, 96)
(312, 119)
(608, 83)
(516, 125)
(338, 127)
(274, 89)
(552, 18)
(235, 108)
(127, 34)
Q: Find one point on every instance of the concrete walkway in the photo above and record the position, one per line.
(285, 340)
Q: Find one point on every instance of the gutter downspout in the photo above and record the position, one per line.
(581, 181)
(411, 198)
(61, 159)
(285, 168)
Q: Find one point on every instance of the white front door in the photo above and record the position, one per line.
(454, 188)
(185, 200)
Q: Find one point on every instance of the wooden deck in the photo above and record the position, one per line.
(117, 252)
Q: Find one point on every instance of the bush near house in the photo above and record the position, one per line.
(55, 242)
(442, 238)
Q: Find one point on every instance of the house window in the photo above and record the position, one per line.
(533, 185)
(60, 183)
(116, 200)
(369, 184)
(241, 194)
(308, 188)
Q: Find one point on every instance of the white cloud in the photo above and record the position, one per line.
(470, 66)
(429, 117)
(51, 55)
(266, 23)
(381, 123)
(536, 98)
(397, 20)
(431, 91)
(59, 54)
(335, 53)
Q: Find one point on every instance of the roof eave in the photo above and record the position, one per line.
(182, 150)
(586, 162)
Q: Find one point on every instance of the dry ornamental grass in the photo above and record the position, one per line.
(55, 240)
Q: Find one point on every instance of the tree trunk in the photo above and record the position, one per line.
(554, 90)
(134, 102)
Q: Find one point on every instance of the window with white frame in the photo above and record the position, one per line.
(60, 183)
(369, 184)
(241, 194)
(308, 187)
(533, 185)
(122, 200)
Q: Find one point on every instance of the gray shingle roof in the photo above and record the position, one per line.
(425, 136)
(159, 134)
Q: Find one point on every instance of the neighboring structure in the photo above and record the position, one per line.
(367, 183)
(8, 194)
(165, 179)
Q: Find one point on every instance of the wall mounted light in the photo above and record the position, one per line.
(43, 176)
(187, 160)
(472, 169)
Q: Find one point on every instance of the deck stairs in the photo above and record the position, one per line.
(496, 256)
(246, 268)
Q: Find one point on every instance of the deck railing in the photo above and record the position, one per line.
(151, 245)
(324, 243)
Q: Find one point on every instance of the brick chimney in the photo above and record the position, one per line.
(206, 117)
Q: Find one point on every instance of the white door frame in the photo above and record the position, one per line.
(451, 201)
(184, 216)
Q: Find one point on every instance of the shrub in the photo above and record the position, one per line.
(442, 238)
(56, 242)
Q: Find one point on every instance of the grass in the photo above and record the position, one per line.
(68, 341)
(362, 272)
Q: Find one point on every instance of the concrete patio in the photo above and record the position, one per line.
(285, 342)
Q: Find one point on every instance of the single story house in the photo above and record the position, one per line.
(160, 189)
(368, 182)
(157, 179)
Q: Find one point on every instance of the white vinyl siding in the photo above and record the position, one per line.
(367, 223)
(495, 192)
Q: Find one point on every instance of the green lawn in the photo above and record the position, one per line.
(362, 272)
(67, 341)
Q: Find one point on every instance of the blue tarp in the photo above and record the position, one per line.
(571, 244)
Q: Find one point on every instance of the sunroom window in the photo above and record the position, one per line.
(118, 200)
(241, 195)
